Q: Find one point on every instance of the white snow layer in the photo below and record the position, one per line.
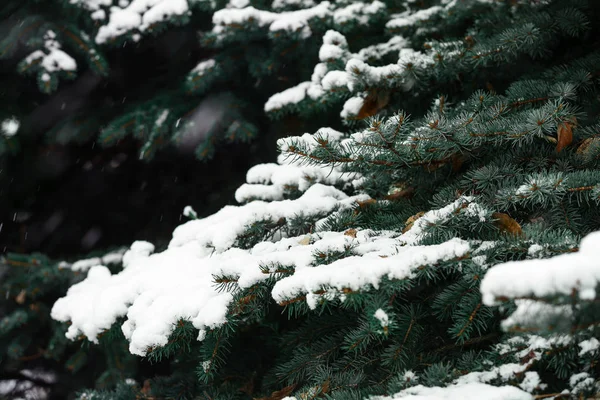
(517, 348)
(532, 313)
(471, 391)
(220, 230)
(293, 95)
(352, 107)
(323, 80)
(589, 346)
(290, 21)
(10, 126)
(238, 3)
(297, 20)
(409, 18)
(358, 11)
(560, 275)
(204, 66)
(271, 181)
(189, 212)
(139, 15)
(114, 257)
(155, 291)
(52, 58)
(382, 317)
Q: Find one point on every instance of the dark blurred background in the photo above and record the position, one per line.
(67, 199)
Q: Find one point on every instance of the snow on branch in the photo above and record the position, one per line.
(518, 355)
(290, 21)
(471, 391)
(229, 20)
(113, 257)
(366, 270)
(155, 291)
(139, 15)
(543, 291)
(220, 230)
(562, 275)
(288, 175)
(52, 59)
(359, 12)
(408, 18)
(272, 181)
(356, 75)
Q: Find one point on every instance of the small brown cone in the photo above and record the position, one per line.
(565, 134)
(506, 224)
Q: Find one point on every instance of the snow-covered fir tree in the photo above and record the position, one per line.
(439, 243)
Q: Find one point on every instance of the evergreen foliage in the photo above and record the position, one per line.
(35, 356)
(442, 246)
(58, 41)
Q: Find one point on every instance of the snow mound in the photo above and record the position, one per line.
(472, 391)
(564, 274)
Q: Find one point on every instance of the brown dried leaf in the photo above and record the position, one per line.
(20, 298)
(366, 203)
(404, 193)
(527, 357)
(565, 134)
(584, 147)
(411, 220)
(376, 100)
(279, 394)
(351, 232)
(506, 224)
(247, 299)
